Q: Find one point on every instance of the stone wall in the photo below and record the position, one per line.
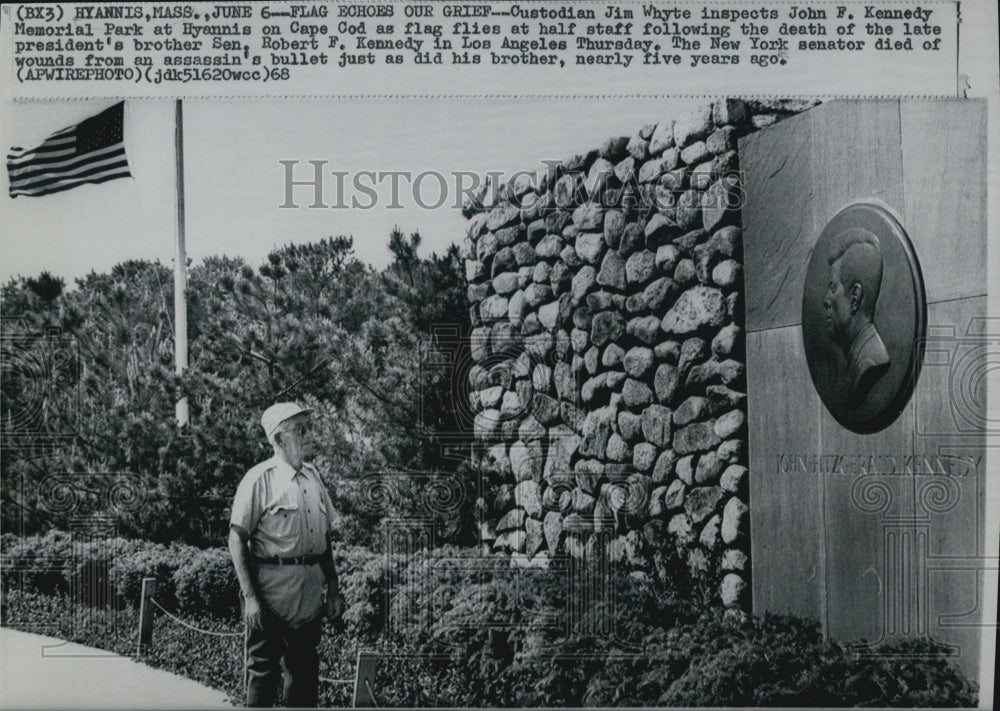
(608, 379)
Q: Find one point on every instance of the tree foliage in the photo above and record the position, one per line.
(89, 387)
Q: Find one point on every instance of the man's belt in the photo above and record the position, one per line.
(298, 560)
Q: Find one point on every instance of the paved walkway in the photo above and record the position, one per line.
(39, 672)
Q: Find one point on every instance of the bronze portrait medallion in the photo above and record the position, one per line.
(864, 315)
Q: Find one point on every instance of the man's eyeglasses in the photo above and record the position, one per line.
(301, 429)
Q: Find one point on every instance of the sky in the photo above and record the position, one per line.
(234, 183)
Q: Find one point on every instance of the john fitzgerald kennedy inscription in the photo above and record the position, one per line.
(863, 317)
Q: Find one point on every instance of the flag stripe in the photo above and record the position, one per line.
(116, 171)
(60, 132)
(83, 175)
(58, 139)
(48, 157)
(47, 147)
(63, 163)
(92, 151)
(82, 169)
(72, 184)
(40, 177)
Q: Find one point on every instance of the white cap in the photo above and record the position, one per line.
(278, 413)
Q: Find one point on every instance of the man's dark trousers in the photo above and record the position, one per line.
(277, 651)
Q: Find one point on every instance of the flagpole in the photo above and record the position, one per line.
(180, 267)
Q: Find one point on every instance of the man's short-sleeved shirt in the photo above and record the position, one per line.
(283, 513)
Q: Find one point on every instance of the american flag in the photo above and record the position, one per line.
(92, 151)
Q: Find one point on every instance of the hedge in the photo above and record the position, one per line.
(190, 579)
(457, 628)
(482, 635)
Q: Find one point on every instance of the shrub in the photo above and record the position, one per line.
(206, 583)
(96, 572)
(37, 562)
(470, 630)
(8, 541)
(90, 570)
(63, 617)
(362, 575)
(737, 660)
(151, 560)
(461, 629)
(60, 563)
(912, 672)
(731, 659)
(52, 564)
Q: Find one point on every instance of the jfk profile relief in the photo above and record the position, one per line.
(852, 292)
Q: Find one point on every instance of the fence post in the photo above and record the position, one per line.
(364, 680)
(146, 615)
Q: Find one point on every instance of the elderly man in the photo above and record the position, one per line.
(279, 539)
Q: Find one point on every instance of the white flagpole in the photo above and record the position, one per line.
(180, 267)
